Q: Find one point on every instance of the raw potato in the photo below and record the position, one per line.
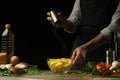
(59, 65)
(17, 66)
(21, 66)
(16, 71)
(14, 60)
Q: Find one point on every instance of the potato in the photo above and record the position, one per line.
(16, 71)
(14, 60)
(21, 65)
(59, 65)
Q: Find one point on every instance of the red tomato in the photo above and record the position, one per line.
(100, 66)
(108, 66)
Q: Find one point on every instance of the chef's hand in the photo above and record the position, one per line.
(78, 55)
(62, 19)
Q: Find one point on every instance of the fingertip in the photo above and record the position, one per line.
(48, 13)
(49, 18)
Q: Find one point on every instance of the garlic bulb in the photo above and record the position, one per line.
(115, 64)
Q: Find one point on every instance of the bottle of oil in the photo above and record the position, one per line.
(7, 42)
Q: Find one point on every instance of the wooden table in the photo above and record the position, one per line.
(48, 75)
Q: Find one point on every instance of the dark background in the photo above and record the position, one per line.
(34, 37)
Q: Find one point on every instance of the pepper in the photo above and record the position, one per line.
(109, 72)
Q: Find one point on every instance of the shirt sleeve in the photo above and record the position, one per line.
(114, 25)
(75, 14)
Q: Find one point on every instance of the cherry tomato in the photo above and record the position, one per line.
(100, 66)
(108, 66)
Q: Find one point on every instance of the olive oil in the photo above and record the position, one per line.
(7, 42)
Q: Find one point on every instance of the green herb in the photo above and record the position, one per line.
(4, 72)
(91, 69)
(33, 69)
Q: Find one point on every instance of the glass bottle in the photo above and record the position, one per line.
(110, 53)
(7, 42)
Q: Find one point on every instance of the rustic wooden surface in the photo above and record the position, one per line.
(47, 75)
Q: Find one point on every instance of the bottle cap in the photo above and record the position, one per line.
(7, 26)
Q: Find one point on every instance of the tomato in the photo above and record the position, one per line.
(100, 66)
(108, 66)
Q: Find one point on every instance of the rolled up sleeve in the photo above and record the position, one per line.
(114, 25)
(75, 14)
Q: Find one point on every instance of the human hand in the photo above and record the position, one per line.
(78, 55)
(61, 23)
